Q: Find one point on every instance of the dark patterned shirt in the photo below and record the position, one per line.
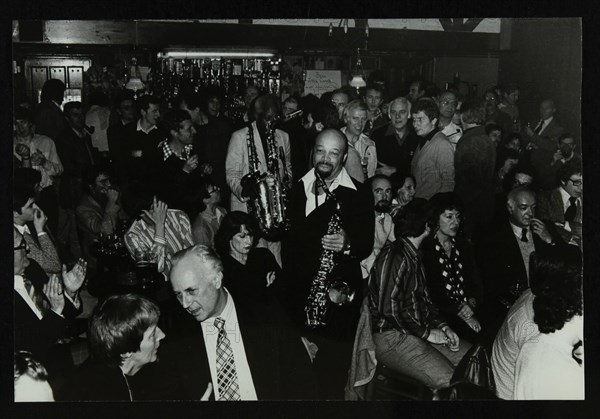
(398, 297)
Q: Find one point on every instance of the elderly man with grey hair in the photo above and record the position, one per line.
(246, 350)
(396, 142)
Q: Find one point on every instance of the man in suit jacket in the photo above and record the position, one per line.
(269, 361)
(562, 205)
(503, 254)
(311, 211)
(543, 141)
(44, 308)
(237, 163)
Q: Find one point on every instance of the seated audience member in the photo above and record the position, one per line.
(494, 133)
(26, 214)
(247, 269)
(506, 159)
(381, 187)
(433, 162)
(503, 253)
(243, 350)
(546, 367)
(519, 326)
(355, 118)
(404, 186)
(124, 338)
(98, 211)
(44, 307)
(396, 142)
(447, 104)
(410, 337)
(520, 176)
(157, 230)
(565, 153)
(452, 278)
(563, 205)
(38, 152)
(542, 138)
(209, 219)
(173, 169)
(31, 379)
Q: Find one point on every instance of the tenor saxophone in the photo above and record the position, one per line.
(266, 190)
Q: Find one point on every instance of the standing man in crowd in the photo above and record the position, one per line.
(433, 162)
(355, 118)
(375, 118)
(312, 208)
(447, 103)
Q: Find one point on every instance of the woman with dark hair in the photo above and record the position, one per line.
(124, 337)
(550, 366)
(404, 186)
(246, 268)
(450, 270)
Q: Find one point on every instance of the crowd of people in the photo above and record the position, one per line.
(447, 221)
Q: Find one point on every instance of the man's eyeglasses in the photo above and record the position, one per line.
(22, 246)
(576, 182)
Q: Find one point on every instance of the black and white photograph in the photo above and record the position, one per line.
(306, 210)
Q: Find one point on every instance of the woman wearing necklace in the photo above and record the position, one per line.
(124, 338)
(246, 268)
(452, 278)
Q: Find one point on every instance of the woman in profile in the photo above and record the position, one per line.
(124, 338)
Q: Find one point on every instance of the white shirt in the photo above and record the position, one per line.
(19, 286)
(231, 327)
(453, 132)
(342, 179)
(367, 150)
(566, 204)
(545, 124)
(526, 248)
(140, 128)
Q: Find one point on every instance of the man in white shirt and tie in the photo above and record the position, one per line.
(245, 350)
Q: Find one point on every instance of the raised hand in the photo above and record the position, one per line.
(158, 212)
(39, 219)
(74, 278)
(465, 312)
(23, 150)
(539, 228)
(191, 164)
(37, 158)
(54, 291)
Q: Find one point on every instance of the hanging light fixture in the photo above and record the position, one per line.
(135, 79)
(358, 77)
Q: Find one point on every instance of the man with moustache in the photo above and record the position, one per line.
(381, 187)
(313, 203)
(245, 350)
(396, 143)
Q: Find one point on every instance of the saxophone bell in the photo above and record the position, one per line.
(340, 293)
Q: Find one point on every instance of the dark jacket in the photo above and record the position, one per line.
(278, 361)
(542, 155)
(302, 251)
(474, 162)
(392, 152)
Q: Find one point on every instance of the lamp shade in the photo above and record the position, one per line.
(358, 81)
(135, 84)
